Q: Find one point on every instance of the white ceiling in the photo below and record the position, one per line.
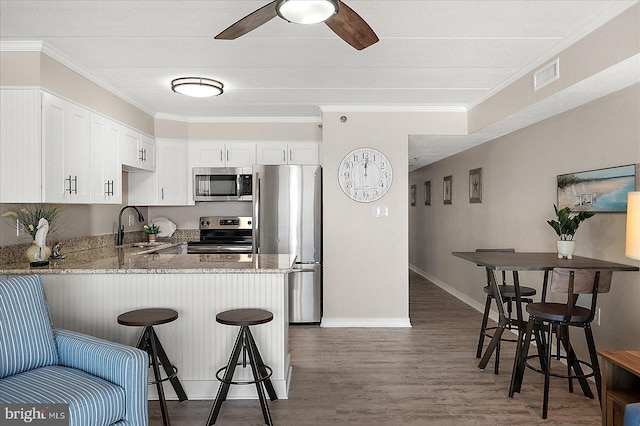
(431, 54)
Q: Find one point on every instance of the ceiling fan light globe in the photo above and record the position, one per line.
(306, 11)
(197, 87)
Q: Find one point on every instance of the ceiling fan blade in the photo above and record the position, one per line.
(249, 22)
(350, 27)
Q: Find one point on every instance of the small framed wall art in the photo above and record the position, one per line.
(427, 193)
(475, 186)
(413, 195)
(447, 189)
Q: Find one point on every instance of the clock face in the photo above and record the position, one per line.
(365, 175)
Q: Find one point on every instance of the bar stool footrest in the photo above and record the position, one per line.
(562, 376)
(244, 382)
(488, 334)
(164, 379)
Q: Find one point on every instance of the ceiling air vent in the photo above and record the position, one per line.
(546, 74)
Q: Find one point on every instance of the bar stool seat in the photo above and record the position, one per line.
(246, 345)
(150, 343)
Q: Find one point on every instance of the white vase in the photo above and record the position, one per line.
(566, 249)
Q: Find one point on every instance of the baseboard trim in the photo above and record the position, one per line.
(365, 322)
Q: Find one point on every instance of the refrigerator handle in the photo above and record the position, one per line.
(256, 213)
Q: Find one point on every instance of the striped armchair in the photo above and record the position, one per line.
(104, 383)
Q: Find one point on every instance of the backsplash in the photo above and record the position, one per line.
(14, 253)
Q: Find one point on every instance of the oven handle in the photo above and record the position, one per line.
(256, 213)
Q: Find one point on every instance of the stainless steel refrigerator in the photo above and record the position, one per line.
(287, 218)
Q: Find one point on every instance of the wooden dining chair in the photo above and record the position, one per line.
(508, 293)
(558, 317)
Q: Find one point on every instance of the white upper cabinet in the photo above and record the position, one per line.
(138, 151)
(20, 146)
(240, 154)
(106, 163)
(148, 152)
(220, 154)
(66, 151)
(168, 185)
(207, 154)
(288, 153)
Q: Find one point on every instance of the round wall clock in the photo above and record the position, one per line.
(365, 175)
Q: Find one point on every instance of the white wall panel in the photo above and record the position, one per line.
(195, 342)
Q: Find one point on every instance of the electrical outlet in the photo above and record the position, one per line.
(598, 314)
(130, 220)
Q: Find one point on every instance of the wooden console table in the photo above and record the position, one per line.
(620, 384)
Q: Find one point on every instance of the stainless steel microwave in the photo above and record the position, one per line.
(222, 184)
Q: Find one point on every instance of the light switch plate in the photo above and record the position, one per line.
(380, 211)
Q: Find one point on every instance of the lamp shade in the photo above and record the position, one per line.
(633, 226)
(197, 87)
(306, 11)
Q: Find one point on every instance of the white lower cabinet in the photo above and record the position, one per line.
(168, 184)
(66, 151)
(106, 163)
(20, 146)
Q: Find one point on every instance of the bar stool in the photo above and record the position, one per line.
(558, 317)
(150, 343)
(508, 293)
(245, 344)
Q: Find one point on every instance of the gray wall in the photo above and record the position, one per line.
(76, 220)
(519, 190)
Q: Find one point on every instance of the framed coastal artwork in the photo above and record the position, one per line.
(427, 193)
(602, 190)
(447, 189)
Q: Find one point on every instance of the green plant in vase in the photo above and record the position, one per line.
(152, 231)
(36, 220)
(566, 227)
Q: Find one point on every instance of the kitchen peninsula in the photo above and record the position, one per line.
(88, 290)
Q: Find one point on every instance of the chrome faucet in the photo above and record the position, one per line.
(121, 226)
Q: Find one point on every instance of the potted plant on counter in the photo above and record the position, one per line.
(36, 220)
(566, 228)
(151, 230)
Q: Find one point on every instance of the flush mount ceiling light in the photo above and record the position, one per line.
(197, 87)
(306, 11)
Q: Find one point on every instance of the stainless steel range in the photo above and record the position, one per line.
(224, 235)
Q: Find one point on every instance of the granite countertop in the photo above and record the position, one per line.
(132, 259)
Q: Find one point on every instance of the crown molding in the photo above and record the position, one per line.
(44, 48)
(312, 120)
(21, 46)
(393, 108)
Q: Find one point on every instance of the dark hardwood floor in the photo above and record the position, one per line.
(424, 375)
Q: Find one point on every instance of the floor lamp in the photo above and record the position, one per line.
(633, 226)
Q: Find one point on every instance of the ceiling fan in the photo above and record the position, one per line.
(342, 20)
